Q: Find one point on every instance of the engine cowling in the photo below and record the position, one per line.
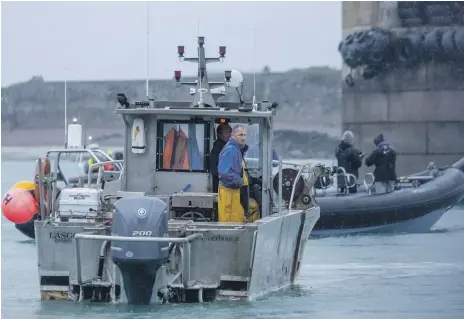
(139, 261)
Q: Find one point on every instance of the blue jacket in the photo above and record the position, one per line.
(230, 170)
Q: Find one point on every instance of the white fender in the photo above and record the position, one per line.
(138, 136)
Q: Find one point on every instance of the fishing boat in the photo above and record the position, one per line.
(155, 232)
(415, 206)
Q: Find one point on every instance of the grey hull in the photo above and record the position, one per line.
(249, 260)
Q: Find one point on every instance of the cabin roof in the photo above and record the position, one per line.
(207, 112)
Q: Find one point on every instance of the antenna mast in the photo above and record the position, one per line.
(203, 95)
(254, 69)
(147, 48)
(65, 111)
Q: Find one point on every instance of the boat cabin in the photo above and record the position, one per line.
(168, 144)
(177, 145)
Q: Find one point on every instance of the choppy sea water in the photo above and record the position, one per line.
(375, 276)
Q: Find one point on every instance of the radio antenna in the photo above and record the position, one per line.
(254, 68)
(65, 110)
(147, 47)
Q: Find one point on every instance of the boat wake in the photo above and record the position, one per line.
(452, 229)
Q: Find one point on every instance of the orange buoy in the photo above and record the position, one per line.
(18, 205)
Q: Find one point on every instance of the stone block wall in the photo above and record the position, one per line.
(419, 110)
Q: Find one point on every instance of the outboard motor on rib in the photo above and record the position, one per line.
(137, 261)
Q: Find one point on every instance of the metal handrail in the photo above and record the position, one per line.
(108, 157)
(347, 176)
(79, 237)
(41, 189)
(368, 187)
(100, 170)
(59, 152)
(295, 182)
(141, 239)
(275, 162)
(279, 202)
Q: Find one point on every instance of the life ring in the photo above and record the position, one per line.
(45, 163)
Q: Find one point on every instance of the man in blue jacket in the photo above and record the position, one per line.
(233, 190)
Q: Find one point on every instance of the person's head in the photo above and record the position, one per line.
(118, 156)
(239, 134)
(223, 131)
(348, 137)
(378, 139)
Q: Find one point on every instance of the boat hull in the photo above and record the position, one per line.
(230, 261)
(27, 228)
(421, 224)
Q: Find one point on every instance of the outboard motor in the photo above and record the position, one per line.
(139, 261)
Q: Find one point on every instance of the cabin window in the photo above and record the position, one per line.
(183, 146)
(252, 140)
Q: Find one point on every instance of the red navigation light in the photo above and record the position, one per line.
(177, 75)
(222, 51)
(180, 50)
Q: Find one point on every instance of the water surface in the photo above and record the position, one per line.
(374, 276)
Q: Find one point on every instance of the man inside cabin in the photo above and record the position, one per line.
(233, 191)
(223, 133)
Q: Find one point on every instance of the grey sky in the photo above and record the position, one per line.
(106, 40)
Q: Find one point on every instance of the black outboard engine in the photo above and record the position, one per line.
(139, 261)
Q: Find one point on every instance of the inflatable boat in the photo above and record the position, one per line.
(416, 204)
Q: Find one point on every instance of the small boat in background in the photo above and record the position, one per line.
(415, 205)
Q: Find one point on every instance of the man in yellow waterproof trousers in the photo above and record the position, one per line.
(233, 191)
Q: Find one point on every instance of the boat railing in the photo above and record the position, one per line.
(347, 177)
(410, 179)
(367, 184)
(413, 180)
(185, 253)
(300, 171)
(274, 162)
(100, 166)
(46, 210)
(41, 188)
(105, 155)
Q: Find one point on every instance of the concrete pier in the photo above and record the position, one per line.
(420, 111)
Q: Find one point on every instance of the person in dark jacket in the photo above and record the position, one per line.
(223, 132)
(384, 159)
(349, 158)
